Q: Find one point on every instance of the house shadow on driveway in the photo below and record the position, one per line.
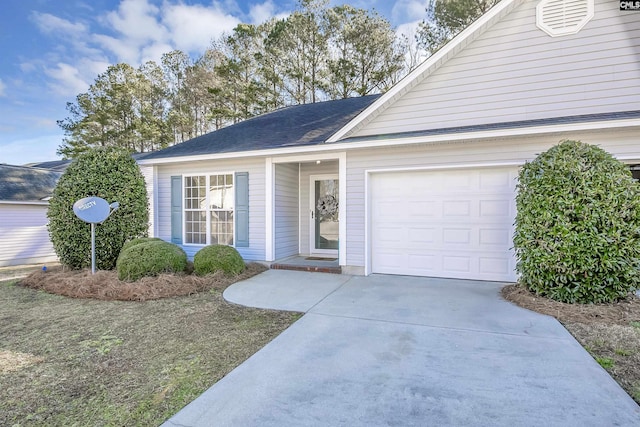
(395, 350)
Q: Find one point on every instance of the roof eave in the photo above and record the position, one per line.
(391, 140)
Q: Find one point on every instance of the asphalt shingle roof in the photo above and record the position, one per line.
(26, 184)
(299, 125)
(54, 165)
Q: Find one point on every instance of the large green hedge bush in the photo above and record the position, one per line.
(109, 173)
(218, 258)
(577, 226)
(150, 258)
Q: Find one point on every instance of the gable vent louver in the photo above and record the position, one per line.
(563, 17)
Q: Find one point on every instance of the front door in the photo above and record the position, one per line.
(324, 214)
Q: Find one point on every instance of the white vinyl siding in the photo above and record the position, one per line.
(507, 152)
(148, 172)
(24, 238)
(286, 210)
(514, 71)
(255, 167)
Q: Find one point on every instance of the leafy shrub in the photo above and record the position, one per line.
(109, 173)
(139, 240)
(577, 225)
(150, 259)
(218, 257)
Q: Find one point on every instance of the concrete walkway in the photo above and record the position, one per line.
(405, 351)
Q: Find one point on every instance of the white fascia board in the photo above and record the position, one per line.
(13, 202)
(495, 133)
(254, 153)
(427, 67)
(314, 152)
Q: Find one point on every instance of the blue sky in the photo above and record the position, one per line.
(52, 50)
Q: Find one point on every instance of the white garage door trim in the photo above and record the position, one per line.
(486, 262)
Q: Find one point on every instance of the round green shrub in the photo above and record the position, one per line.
(577, 225)
(218, 257)
(150, 259)
(139, 240)
(112, 174)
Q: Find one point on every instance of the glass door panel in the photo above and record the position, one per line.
(325, 214)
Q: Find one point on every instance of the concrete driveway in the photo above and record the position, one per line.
(406, 351)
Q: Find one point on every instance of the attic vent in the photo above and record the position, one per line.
(563, 17)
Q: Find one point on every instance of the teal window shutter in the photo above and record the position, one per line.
(176, 209)
(242, 209)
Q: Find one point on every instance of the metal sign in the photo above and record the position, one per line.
(94, 210)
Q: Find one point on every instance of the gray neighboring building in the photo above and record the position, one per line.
(24, 195)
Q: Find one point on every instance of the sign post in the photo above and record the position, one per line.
(94, 210)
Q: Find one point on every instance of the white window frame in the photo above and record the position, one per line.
(207, 209)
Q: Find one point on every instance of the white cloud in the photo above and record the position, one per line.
(123, 51)
(136, 21)
(409, 10)
(134, 28)
(408, 29)
(262, 12)
(67, 80)
(51, 24)
(27, 67)
(192, 28)
(3, 88)
(135, 32)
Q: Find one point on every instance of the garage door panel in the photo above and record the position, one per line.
(494, 208)
(449, 224)
(391, 235)
(456, 208)
(456, 236)
(493, 236)
(420, 236)
(497, 265)
(422, 209)
(456, 264)
(495, 179)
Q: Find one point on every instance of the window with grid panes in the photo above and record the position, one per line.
(209, 201)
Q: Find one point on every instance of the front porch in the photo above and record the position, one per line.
(306, 230)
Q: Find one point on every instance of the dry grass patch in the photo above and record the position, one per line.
(116, 363)
(609, 332)
(13, 361)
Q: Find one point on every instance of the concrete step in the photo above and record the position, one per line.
(311, 268)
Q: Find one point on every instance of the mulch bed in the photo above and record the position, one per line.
(620, 313)
(105, 285)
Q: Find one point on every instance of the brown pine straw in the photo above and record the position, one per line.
(105, 285)
(619, 313)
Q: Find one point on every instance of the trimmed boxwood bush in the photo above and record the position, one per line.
(139, 240)
(218, 257)
(577, 225)
(112, 174)
(150, 259)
